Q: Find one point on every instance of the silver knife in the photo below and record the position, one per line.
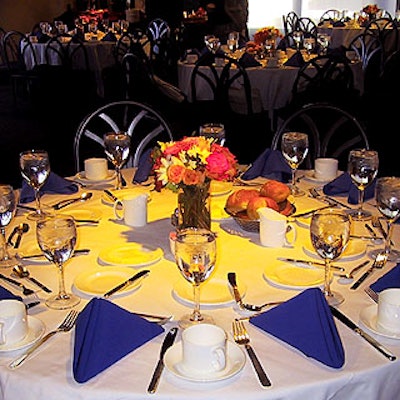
(311, 263)
(76, 252)
(349, 323)
(110, 195)
(306, 213)
(128, 282)
(167, 343)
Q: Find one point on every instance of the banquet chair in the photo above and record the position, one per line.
(330, 15)
(143, 123)
(289, 22)
(130, 42)
(332, 132)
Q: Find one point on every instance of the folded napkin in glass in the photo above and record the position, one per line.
(343, 185)
(55, 184)
(269, 164)
(306, 323)
(144, 168)
(391, 280)
(7, 295)
(104, 334)
(248, 60)
(296, 60)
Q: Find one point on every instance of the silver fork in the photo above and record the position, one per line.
(241, 337)
(65, 326)
(380, 261)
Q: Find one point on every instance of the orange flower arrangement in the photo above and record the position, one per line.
(269, 32)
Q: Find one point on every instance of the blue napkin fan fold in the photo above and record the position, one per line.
(55, 184)
(269, 164)
(104, 334)
(391, 280)
(247, 60)
(343, 185)
(109, 37)
(144, 169)
(296, 60)
(7, 295)
(306, 323)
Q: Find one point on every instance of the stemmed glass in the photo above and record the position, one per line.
(362, 167)
(35, 169)
(212, 43)
(7, 209)
(387, 195)
(117, 147)
(233, 42)
(56, 236)
(330, 233)
(298, 39)
(323, 40)
(195, 256)
(309, 44)
(294, 147)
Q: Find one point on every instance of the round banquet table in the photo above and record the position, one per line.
(48, 374)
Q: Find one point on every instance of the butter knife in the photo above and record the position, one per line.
(307, 213)
(128, 282)
(76, 252)
(110, 195)
(167, 343)
(350, 324)
(311, 263)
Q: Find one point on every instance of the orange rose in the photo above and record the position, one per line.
(176, 173)
(192, 177)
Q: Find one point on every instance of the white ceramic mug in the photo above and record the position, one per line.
(389, 310)
(13, 321)
(204, 349)
(325, 168)
(275, 230)
(132, 209)
(96, 169)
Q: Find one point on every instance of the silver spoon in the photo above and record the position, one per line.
(22, 228)
(349, 276)
(23, 272)
(63, 203)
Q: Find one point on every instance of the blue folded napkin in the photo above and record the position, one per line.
(343, 185)
(55, 184)
(109, 37)
(388, 281)
(42, 37)
(7, 295)
(145, 166)
(338, 24)
(248, 60)
(296, 60)
(104, 334)
(269, 164)
(306, 323)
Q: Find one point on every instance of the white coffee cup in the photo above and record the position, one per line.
(13, 321)
(325, 169)
(132, 209)
(204, 349)
(96, 169)
(389, 310)
(275, 230)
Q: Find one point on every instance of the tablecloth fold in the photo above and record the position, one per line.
(104, 334)
(306, 323)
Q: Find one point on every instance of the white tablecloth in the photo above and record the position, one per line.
(365, 375)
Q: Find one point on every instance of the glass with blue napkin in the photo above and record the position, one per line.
(7, 295)
(269, 164)
(343, 185)
(296, 60)
(306, 323)
(391, 280)
(55, 184)
(104, 334)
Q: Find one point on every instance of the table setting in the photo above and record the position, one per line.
(129, 291)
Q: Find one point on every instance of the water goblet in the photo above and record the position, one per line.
(309, 44)
(298, 39)
(294, 147)
(56, 236)
(213, 130)
(233, 42)
(7, 209)
(212, 43)
(323, 40)
(195, 256)
(330, 233)
(362, 167)
(117, 148)
(35, 169)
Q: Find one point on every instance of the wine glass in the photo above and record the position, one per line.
(323, 40)
(309, 44)
(362, 168)
(35, 169)
(7, 209)
(294, 147)
(233, 42)
(387, 194)
(195, 255)
(212, 43)
(56, 236)
(117, 148)
(298, 39)
(330, 233)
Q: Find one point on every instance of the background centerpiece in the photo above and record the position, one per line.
(187, 167)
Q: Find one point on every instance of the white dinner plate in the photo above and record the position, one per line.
(36, 329)
(369, 316)
(292, 277)
(214, 292)
(235, 363)
(355, 249)
(80, 176)
(99, 281)
(84, 214)
(130, 254)
(309, 175)
(120, 194)
(219, 188)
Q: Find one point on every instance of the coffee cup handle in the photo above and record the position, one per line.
(290, 228)
(119, 212)
(219, 361)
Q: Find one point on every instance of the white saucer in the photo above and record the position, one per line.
(80, 176)
(369, 316)
(36, 329)
(354, 250)
(235, 362)
(309, 176)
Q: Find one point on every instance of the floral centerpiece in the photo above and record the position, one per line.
(187, 167)
(268, 32)
(371, 11)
